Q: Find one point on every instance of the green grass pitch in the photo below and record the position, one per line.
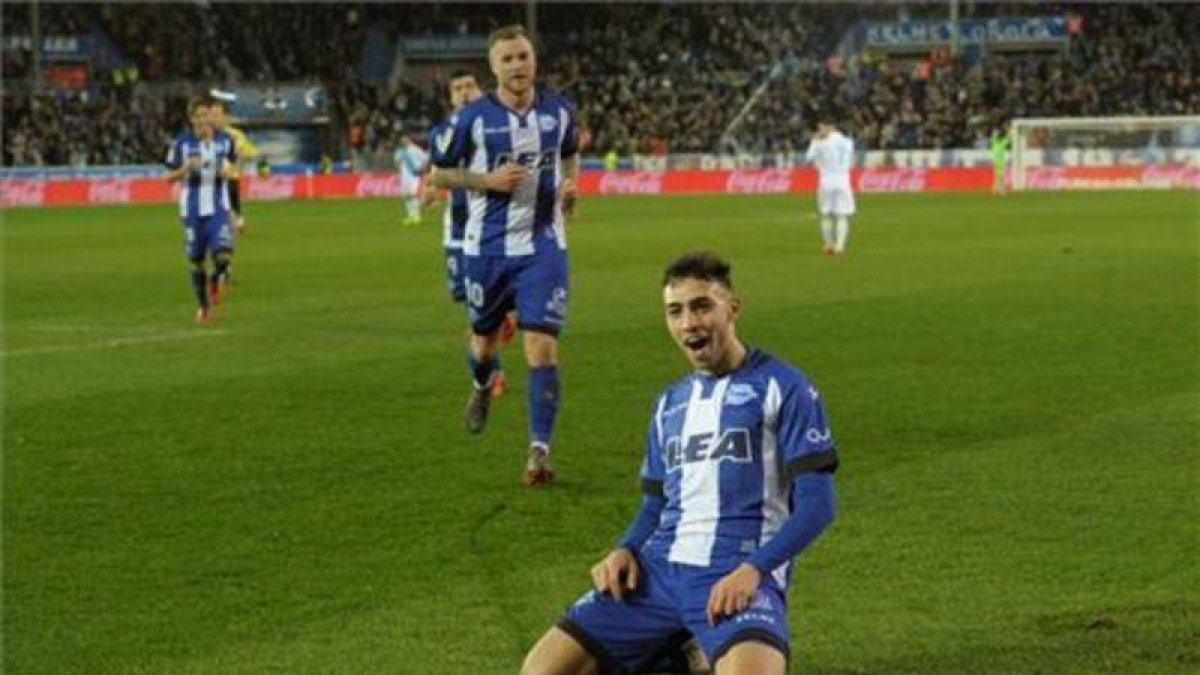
(1013, 383)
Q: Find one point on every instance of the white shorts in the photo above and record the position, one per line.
(835, 202)
(410, 187)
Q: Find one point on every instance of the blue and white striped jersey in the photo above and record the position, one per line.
(723, 451)
(485, 134)
(203, 192)
(454, 220)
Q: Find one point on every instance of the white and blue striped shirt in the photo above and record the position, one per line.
(723, 451)
(485, 134)
(203, 192)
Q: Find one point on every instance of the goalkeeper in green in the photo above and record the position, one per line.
(999, 146)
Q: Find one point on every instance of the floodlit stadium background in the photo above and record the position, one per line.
(1012, 379)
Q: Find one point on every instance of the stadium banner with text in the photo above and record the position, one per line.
(119, 190)
(1042, 30)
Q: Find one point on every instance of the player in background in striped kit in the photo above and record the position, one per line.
(833, 154)
(737, 480)
(200, 160)
(463, 89)
(515, 152)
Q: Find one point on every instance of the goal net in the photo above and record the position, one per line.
(1071, 153)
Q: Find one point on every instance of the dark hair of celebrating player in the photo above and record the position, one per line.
(702, 265)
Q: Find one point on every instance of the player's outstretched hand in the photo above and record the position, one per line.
(617, 573)
(429, 195)
(504, 178)
(733, 593)
(569, 193)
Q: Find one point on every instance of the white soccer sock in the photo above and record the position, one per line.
(843, 231)
(413, 206)
(827, 230)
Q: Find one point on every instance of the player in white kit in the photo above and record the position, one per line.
(411, 161)
(833, 155)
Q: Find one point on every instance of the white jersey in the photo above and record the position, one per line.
(411, 162)
(834, 157)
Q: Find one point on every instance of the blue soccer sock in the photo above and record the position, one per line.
(544, 397)
(481, 371)
(199, 286)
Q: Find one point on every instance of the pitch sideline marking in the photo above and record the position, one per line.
(114, 342)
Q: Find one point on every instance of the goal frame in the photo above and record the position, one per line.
(1022, 126)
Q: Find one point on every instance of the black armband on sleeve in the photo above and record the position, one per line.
(824, 462)
(652, 487)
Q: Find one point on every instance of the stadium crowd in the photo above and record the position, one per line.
(647, 78)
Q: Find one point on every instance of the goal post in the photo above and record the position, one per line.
(1064, 153)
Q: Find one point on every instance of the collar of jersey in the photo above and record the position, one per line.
(537, 98)
(751, 353)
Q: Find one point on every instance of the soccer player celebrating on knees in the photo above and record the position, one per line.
(411, 161)
(515, 151)
(833, 154)
(200, 159)
(738, 480)
(463, 90)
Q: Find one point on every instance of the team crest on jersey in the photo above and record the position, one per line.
(740, 394)
(730, 445)
(547, 123)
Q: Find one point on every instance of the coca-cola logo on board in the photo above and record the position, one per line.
(892, 180)
(377, 185)
(274, 187)
(638, 182)
(776, 180)
(22, 193)
(109, 191)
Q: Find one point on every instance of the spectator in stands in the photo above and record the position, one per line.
(678, 79)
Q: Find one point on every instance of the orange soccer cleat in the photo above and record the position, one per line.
(214, 292)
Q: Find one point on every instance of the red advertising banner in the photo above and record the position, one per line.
(781, 181)
(1112, 177)
(54, 192)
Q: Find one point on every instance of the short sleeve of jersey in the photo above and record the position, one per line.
(570, 140)
(654, 472)
(451, 143)
(803, 432)
(434, 134)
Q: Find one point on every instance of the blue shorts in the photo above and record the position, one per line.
(534, 285)
(454, 274)
(206, 233)
(624, 635)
